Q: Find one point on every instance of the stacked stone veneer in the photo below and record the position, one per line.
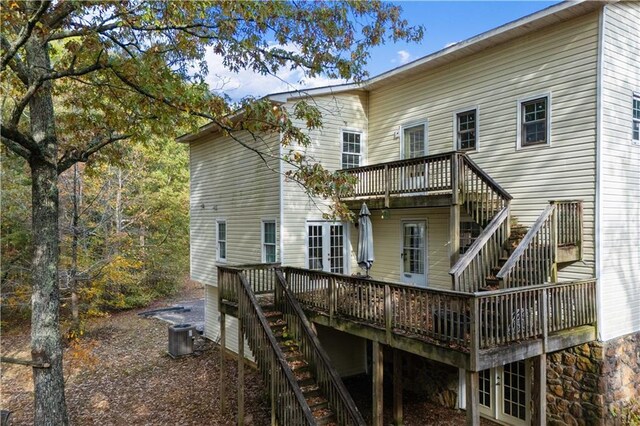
(594, 384)
(426, 379)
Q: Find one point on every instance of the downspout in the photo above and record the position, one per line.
(281, 197)
(598, 194)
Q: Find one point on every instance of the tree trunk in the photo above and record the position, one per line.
(46, 343)
(75, 223)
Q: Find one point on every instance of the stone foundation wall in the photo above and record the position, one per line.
(430, 380)
(594, 384)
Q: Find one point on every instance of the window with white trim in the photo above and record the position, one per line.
(466, 130)
(636, 119)
(269, 252)
(221, 226)
(351, 149)
(534, 122)
(327, 247)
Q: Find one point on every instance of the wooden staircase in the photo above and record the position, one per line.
(304, 387)
(504, 255)
(300, 367)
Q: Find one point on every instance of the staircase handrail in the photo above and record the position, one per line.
(490, 232)
(525, 244)
(290, 382)
(486, 178)
(339, 398)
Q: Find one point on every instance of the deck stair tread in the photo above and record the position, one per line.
(312, 393)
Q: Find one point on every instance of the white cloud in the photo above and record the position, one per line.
(403, 57)
(247, 83)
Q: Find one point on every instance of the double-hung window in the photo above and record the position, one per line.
(269, 252)
(636, 119)
(467, 130)
(534, 122)
(351, 149)
(222, 240)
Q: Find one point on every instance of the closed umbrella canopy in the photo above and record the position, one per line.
(365, 239)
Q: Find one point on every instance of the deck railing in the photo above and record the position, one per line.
(452, 172)
(569, 220)
(463, 321)
(286, 396)
(483, 198)
(261, 277)
(325, 375)
(433, 173)
(535, 259)
(472, 269)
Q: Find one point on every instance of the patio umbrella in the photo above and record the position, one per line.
(365, 239)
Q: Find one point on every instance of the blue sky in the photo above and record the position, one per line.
(448, 22)
(445, 22)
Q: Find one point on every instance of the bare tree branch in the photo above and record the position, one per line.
(24, 35)
(18, 138)
(83, 31)
(70, 157)
(16, 148)
(21, 105)
(59, 13)
(72, 72)
(15, 63)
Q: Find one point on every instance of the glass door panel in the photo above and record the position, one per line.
(414, 253)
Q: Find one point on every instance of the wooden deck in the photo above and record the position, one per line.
(473, 331)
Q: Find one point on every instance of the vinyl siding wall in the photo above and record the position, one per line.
(620, 174)
(231, 183)
(346, 111)
(559, 60)
(387, 244)
(212, 323)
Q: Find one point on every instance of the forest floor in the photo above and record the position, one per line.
(120, 374)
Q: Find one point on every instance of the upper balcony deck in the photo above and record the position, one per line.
(430, 181)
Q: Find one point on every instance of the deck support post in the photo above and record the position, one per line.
(454, 234)
(539, 391)
(472, 401)
(397, 387)
(378, 374)
(223, 378)
(240, 372)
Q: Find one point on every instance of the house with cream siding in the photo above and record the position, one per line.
(503, 179)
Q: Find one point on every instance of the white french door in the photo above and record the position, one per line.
(327, 247)
(414, 253)
(504, 393)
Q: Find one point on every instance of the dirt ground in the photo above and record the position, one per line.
(120, 374)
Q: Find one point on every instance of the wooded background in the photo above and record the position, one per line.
(124, 231)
